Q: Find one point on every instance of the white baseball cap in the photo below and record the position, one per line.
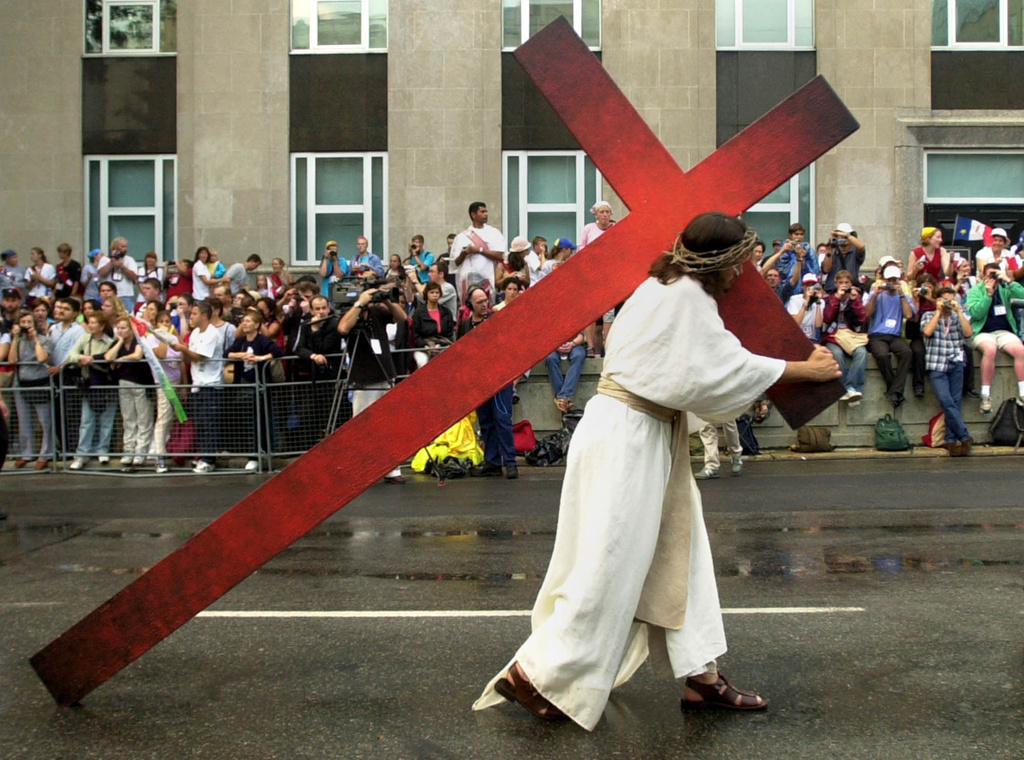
(887, 260)
(844, 227)
(891, 272)
(809, 278)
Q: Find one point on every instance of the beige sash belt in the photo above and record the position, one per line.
(664, 595)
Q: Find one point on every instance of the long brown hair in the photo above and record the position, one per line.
(710, 231)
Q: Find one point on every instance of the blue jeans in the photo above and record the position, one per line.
(495, 418)
(87, 427)
(853, 367)
(564, 386)
(948, 387)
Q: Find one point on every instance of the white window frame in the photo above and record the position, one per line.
(156, 211)
(525, 208)
(108, 4)
(789, 44)
(792, 207)
(314, 22)
(1004, 31)
(990, 200)
(524, 23)
(313, 208)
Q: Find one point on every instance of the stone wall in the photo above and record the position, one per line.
(851, 426)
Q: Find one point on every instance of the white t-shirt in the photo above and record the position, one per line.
(208, 343)
(239, 276)
(125, 286)
(807, 324)
(200, 290)
(476, 268)
(46, 271)
(1008, 262)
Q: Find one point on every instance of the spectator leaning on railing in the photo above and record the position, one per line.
(133, 379)
(205, 351)
(97, 403)
(31, 395)
(433, 326)
(250, 350)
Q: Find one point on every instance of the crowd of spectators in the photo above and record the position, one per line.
(148, 327)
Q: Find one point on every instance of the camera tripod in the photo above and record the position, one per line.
(343, 383)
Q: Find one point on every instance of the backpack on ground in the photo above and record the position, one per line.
(812, 439)
(890, 435)
(1007, 427)
(936, 435)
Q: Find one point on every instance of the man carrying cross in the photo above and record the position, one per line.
(631, 572)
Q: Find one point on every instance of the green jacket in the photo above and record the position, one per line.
(979, 302)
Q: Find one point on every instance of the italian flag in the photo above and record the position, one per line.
(972, 229)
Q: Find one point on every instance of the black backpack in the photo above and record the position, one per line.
(1007, 427)
(748, 440)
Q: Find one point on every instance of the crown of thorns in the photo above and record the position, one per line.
(713, 261)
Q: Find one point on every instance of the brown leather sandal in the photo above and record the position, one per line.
(518, 689)
(721, 694)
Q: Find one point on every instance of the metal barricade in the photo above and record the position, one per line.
(127, 428)
(33, 436)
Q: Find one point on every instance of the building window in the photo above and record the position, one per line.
(339, 26)
(787, 204)
(548, 194)
(522, 18)
(973, 178)
(134, 198)
(340, 197)
(977, 24)
(131, 27)
(764, 24)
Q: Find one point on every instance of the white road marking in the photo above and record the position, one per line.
(377, 614)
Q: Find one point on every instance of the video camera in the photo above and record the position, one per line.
(346, 291)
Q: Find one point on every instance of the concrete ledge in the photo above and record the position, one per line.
(852, 427)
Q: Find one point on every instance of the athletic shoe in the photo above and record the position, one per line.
(986, 405)
(202, 468)
(252, 465)
(161, 466)
(126, 461)
(76, 464)
(706, 474)
(139, 461)
(103, 459)
(737, 465)
(852, 395)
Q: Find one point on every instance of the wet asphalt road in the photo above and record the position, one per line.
(928, 664)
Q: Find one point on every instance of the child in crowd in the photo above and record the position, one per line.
(133, 376)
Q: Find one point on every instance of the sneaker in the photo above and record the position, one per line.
(126, 461)
(203, 467)
(252, 465)
(851, 395)
(706, 474)
(161, 466)
(737, 465)
(76, 464)
(511, 472)
(986, 405)
(103, 459)
(139, 461)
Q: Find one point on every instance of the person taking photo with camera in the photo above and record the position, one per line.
(886, 308)
(845, 320)
(845, 253)
(808, 307)
(945, 326)
(332, 268)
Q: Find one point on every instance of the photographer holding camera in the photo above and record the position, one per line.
(794, 253)
(923, 301)
(420, 259)
(332, 268)
(372, 370)
(808, 306)
(845, 319)
(945, 327)
(886, 308)
(121, 270)
(995, 328)
(845, 254)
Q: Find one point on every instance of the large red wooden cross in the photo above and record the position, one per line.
(661, 200)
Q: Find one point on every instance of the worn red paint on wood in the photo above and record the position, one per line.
(661, 199)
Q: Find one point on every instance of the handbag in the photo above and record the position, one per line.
(850, 340)
(890, 435)
(748, 440)
(182, 441)
(812, 439)
(1007, 427)
(936, 435)
(523, 437)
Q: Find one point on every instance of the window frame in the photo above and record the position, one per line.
(525, 207)
(105, 51)
(156, 211)
(577, 23)
(1004, 31)
(789, 44)
(313, 208)
(317, 49)
(792, 207)
(974, 201)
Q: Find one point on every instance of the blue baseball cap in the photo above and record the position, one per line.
(94, 253)
(565, 243)
(8, 253)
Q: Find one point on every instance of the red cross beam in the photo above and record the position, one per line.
(661, 199)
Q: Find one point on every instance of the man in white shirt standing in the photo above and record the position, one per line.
(205, 350)
(476, 250)
(121, 270)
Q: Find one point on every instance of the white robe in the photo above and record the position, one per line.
(668, 345)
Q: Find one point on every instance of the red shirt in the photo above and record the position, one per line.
(178, 283)
(933, 267)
